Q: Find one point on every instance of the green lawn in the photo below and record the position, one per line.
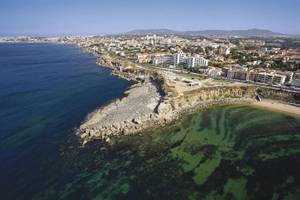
(191, 76)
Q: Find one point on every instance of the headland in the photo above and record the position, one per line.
(156, 99)
(159, 97)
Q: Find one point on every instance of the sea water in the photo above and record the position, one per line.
(225, 152)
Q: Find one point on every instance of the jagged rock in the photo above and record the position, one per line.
(91, 132)
(125, 131)
(136, 120)
(129, 116)
(84, 135)
(84, 142)
(108, 140)
(115, 126)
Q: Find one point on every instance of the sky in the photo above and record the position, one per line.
(90, 17)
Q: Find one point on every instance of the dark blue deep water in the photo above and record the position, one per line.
(46, 91)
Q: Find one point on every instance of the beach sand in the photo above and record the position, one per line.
(278, 106)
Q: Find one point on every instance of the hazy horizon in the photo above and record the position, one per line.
(100, 34)
(66, 17)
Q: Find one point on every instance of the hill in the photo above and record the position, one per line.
(208, 33)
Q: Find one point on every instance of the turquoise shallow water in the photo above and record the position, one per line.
(226, 152)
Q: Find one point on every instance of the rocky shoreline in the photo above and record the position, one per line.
(165, 115)
(125, 116)
(152, 102)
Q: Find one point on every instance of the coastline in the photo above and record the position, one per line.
(127, 115)
(167, 107)
(278, 106)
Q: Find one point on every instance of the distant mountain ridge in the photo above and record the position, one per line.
(242, 33)
(152, 31)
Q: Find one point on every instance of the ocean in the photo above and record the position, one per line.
(225, 152)
(46, 91)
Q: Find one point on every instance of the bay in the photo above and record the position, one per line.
(224, 152)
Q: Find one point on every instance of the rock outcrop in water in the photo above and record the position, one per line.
(125, 116)
(145, 106)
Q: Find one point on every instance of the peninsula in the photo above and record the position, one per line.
(175, 74)
(157, 98)
(162, 92)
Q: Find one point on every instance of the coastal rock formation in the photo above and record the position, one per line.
(144, 106)
(211, 94)
(157, 99)
(153, 101)
(174, 106)
(279, 94)
(124, 116)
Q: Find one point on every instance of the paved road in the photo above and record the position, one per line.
(284, 88)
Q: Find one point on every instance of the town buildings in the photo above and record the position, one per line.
(196, 61)
(270, 78)
(237, 72)
(260, 61)
(163, 60)
(181, 59)
(296, 80)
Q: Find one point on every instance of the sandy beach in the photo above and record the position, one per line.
(278, 106)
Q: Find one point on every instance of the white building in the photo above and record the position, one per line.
(162, 60)
(179, 58)
(278, 79)
(227, 51)
(289, 76)
(270, 78)
(196, 61)
(296, 80)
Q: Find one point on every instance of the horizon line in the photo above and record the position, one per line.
(136, 29)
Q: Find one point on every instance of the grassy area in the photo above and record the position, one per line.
(192, 76)
(222, 81)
